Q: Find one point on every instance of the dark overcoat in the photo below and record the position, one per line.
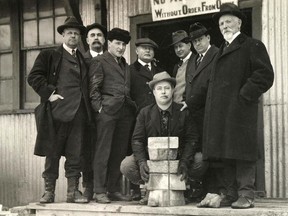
(197, 80)
(241, 74)
(180, 125)
(43, 79)
(140, 77)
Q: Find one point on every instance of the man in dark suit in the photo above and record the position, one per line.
(157, 120)
(59, 76)
(241, 73)
(197, 80)
(96, 37)
(142, 72)
(110, 97)
(182, 47)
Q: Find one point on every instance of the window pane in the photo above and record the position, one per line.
(46, 31)
(6, 92)
(29, 9)
(4, 11)
(45, 8)
(6, 66)
(5, 35)
(31, 96)
(59, 7)
(59, 21)
(30, 34)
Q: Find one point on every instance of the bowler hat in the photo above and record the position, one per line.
(162, 76)
(98, 26)
(147, 42)
(229, 8)
(71, 22)
(196, 30)
(178, 36)
(119, 34)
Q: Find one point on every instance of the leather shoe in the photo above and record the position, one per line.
(144, 200)
(76, 197)
(102, 198)
(227, 201)
(48, 197)
(88, 193)
(243, 203)
(117, 196)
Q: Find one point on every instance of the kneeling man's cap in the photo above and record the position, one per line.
(162, 76)
(119, 34)
(146, 42)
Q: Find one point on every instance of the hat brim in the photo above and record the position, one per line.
(240, 15)
(61, 28)
(147, 44)
(177, 41)
(200, 34)
(154, 82)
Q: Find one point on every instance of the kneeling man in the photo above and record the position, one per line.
(160, 120)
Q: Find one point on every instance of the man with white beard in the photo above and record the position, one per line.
(242, 72)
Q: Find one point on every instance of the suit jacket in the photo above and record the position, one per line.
(109, 84)
(87, 58)
(43, 79)
(240, 75)
(140, 91)
(197, 80)
(189, 67)
(180, 125)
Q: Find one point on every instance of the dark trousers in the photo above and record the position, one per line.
(239, 177)
(113, 138)
(69, 138)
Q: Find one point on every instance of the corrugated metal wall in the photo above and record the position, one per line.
(20, 178)
(274, 35)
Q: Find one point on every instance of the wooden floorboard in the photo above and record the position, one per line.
(263, 207)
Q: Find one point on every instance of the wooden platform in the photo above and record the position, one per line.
(263, 207)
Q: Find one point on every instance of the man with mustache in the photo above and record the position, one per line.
(110, 98)
(95, 38)
(241, 73)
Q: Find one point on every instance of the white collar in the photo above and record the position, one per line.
(94, 54)
(234, 36)
(203, 54)
(187, 57)
(68, 49)
(144, 63)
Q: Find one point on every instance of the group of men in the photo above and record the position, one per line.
(89, 105)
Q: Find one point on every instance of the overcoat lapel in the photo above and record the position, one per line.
(155, 119)
(110, 60)
(174, 120)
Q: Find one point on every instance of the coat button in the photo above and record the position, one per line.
(54, 73)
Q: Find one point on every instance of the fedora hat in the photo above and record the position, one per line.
(229, 8)
(178, 36)
(119, 34)
(98, 26)
(162, 76)
(71, 22)
(196, 30)
(147, 42)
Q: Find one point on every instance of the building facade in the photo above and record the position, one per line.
(28, 26)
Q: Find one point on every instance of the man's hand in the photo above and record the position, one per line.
(144, 171)
(183, 170)
(54, 97)
(184, 105)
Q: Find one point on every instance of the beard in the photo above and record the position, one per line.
(228, 36)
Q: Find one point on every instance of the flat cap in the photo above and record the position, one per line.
(147, 42)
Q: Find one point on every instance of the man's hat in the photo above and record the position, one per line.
(147, 42)
(196, 30)
(98, 26)
(162, 76)
(179, 36)
(71, 22)
(119, 34)
(229, 8)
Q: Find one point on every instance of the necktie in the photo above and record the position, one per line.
(199, 59)
(226, 45)
(147, 67)
(180, 63)
(73, 53)
(164, 122)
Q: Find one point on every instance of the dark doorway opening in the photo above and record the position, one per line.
(161, 32)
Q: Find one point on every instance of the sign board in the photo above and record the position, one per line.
(172, 9)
